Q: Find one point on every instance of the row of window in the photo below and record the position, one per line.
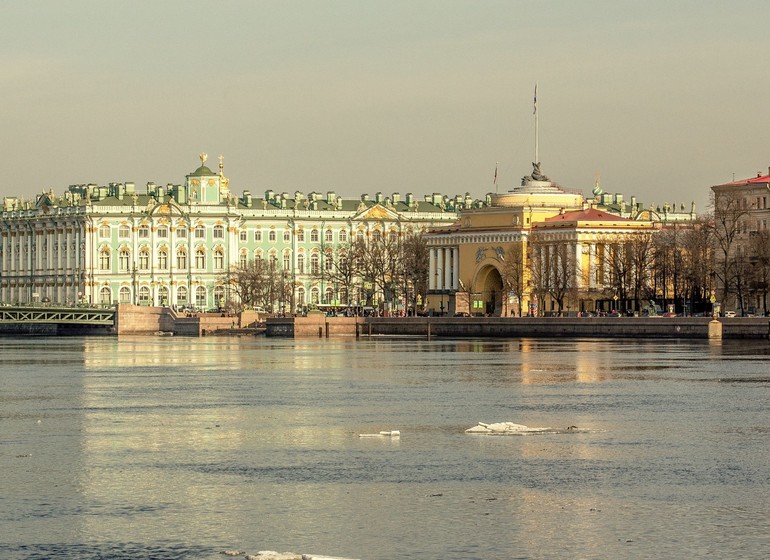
(218, 232)
(145, 296)
(162, 263)
(143, 232)
(143, 262)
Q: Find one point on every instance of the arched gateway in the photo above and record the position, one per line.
(487, 292)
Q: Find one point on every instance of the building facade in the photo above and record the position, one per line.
(539, 248)
(742, 254)
(175, 245)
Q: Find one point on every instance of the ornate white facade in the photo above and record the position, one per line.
(174, 245)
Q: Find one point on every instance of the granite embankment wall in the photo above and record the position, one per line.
(490, 327)
(314, 325)
(139, 319)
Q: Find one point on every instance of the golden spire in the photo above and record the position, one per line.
(224, 182)
(203, 157)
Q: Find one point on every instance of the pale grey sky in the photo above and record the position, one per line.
(661, 98)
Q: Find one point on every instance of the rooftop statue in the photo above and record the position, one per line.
(536, 174)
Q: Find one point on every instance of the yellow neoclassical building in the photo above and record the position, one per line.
(536, 249)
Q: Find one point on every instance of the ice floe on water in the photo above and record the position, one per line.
(509, 428)
(273, 555)
(391, 434)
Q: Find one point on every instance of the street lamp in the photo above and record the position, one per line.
(440, 274)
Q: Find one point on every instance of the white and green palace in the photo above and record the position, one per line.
(174, 245)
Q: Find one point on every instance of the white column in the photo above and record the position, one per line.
(455, 268)
(447, 269)
(432, 269)
(578, 265)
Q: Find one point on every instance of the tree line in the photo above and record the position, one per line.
(390, 269)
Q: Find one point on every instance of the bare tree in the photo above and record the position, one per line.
(640, 252)
(726, 223)
(251, 283)
(759, 244)
(552, 269)
(514, 272)
(415, 263)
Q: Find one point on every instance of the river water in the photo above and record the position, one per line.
(156, 447)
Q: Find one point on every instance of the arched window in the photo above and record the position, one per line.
(181, 230)
(286, 260)
(343, 296)
(243, 259)
(329, 296)
(181, 259)
(163, 295)
(104, 259)
(329, 236)
(376, 236)
(287, 236)
(314, 260)
(124, 231)
(329, 261)
(219, 259)
(300, 297)
(124, 295)
(343, 235)
(301, 263)
(124, 259)
(105, 295)
(271, 236)
(314, 296)
(144, 258)
(104, 231)
(360, 236)
(143, 231)
(219, 232)
(200, 258)
(181, 295)
(144, 295)
(162, 232)
(314, 236)
(200, 232)
(300, 235)
(200, 297)
(393, 236)
(163, 259)
(219, 296)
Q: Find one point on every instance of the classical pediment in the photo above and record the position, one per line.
(376, 212)
(166, 208)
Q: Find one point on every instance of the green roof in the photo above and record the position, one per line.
(202, 171)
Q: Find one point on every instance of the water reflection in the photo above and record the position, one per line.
(165, 447)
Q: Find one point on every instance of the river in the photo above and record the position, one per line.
(161, 447)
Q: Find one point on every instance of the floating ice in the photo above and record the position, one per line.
(273, 555)
(392, 434)
(504, 428)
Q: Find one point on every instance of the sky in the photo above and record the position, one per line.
(658, 99)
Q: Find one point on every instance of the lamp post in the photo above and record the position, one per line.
(440, 275)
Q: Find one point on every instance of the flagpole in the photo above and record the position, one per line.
(537, 130)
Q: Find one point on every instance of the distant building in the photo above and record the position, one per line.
(539, 248)
(174, 245)
(742, 215)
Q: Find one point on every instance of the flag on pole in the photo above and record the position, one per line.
(494, 180)
(535, 111)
